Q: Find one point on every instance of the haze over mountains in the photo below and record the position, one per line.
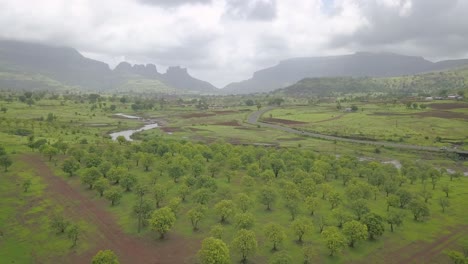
(37, 66)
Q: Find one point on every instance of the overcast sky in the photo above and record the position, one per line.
(222, 41)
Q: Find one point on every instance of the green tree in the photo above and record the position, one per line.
(354, 231)
(73, 232)
(113, 194)
(395, 218)
(159, 194)
(202, 196)
(374, 223)
(128, 181)
(277, 165)
(49, 151)
(446, 189)
(162, 220)
(196, 214)
(312, 204)
(26, 184)
(419, 209)
(335, 199)
(405, 197)
(90, 176)
(214, 251)
(105, 257)
(444, 202)
(224, 209)
(115, 174)
(6, 162)
(342, 216)
(267, 196)
(280, 258)
(183, 191)
(457, 257)
(244, 202)
(301, 226)
(147, 160)
(59, 223)
(175, 171)
(334, 240)
(275, 234)
(101, 185)
(359, 208)
(142, 210)
(121, 140)
(244, 220)
(245, 243)
(70, 166)
(217, 231)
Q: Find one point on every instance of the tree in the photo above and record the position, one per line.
(128, 181)
(116, 173)
(196, 214)
(277, 165)
(101, 185)
(183, 191)
(334, 240)
(225, 209)
(301, 226)
(73, 232)
(281, 257)
(244, 202)
(147, 160)
(70, 166)
(275, 234)
(342, 216)
(104, 168)
(175, 171)
(374, 223)
(244, 220)
(245, 243)
(105, 257)
(393, 200)
(121, 140)
(267, 196)
(444, 202)
(26, 184)
(457, 257)
(162, 220)
(335, 199)
(426, 194)
(419, 209)
(6, 162)
(217, 231)
(446, 189)
(310, 254)
(360, 208)
(202, 196)
(214, 251)
(395, 218)
(49, 151)
(90, 176)
(405, 197)
(312, 204)
(113, 194)
(354, 231)
(59, 223)
(159, 194)
(142, 210)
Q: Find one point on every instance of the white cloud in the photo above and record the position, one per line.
(227, 40)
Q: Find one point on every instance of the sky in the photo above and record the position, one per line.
(223, 41)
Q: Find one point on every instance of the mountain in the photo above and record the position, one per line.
(430, 83)
(37, 66)
(360, 64)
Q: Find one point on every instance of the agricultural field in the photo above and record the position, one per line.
(435, 124)
(267, 196)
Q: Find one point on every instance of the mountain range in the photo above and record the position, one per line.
(38, 66)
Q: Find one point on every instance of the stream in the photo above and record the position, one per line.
(128, 133)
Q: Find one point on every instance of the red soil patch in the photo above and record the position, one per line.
(283, 121)
(170, 129)
(197, 115)
(229, 123)
(227, 112)
(443, 114)
(448, 106)
(109, 235)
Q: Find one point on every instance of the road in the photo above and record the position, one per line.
(253, 119)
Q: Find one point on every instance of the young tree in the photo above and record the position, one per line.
(419, 209)
(115, 174)
(196, 214)
(26, 184)
(342, 216)
(159, 194)
(105, 257)
(393, 200)
(301, 226)
(446, 189)
(183, 191)
(101, 185)
(73, 232)
(359, 208)
(162, 220)
(214, 251)
(49, 151)
(312, 204)
(142, 210)
(310, 253)
(395, 218)
(59, 223)
(281, 257)
(277, 165)
(405, 197)
(147, 160)
(5, 162)
(444, 202)
(224, 209)
(426, 194)
(175, 171)
(354, 231)
(70, 166)
(275, 234)
(374, 223)
(267, 196)
(334, 240)
(202, 196)
(128, 181)
(244, 220)
(245, 243)
(244, 202)
(335, 199)
(90, 176)
(217, 231)
(113, 194)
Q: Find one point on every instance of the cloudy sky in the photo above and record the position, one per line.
(227, 40)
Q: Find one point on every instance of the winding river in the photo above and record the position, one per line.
(128, 133)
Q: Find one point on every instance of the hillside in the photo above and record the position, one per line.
(428, 83)
(361, 64)
(35, 66)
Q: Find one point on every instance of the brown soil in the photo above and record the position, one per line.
(443, 114)
(193, 129)
(331, 119)
(109, 235)
(448, 106)
(229, 123)
(197, 115)
(283, 121)
(227, 112)
(290, 139)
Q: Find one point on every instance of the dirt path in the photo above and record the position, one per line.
(109, 235)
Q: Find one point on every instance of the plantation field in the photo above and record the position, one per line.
(213, 167)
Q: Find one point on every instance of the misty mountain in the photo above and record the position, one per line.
(38, 66)
(361, 64)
